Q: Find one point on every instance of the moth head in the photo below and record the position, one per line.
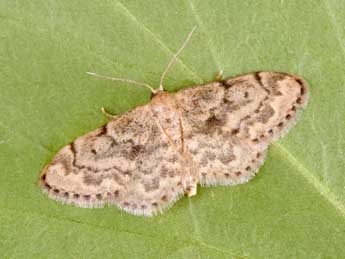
(159, 96)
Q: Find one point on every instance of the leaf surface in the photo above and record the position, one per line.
(294, 207)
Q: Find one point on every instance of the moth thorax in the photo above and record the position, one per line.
(162, 102)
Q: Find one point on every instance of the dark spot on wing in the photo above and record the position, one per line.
(235, 131)
(47, 186)
(102, 130)
(231, 82)
(91, 179)
(226, 158)
(257, 77)
(151, 185)
(213, 121)
(265, 114)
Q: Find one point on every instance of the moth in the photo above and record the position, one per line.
(144, 160)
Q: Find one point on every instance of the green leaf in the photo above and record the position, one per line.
(294, 208)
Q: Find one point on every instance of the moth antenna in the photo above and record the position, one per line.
(109, 115)
(123, 80)
(173, 60)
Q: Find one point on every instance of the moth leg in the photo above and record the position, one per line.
(191, 190)
(109, 115)
(219, 75)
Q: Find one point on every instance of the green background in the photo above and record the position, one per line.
(294, 208)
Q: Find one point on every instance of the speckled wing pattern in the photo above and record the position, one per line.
(228, 125)
(146, 159)
(127, 162)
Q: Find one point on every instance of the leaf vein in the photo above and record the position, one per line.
(209, 41)
(333, 20)
(322, 189)
(156, 38)
(74, 221)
